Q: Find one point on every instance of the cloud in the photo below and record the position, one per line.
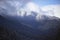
(23, 1)
(12, 5)
(31, 6)
(52, 9)
(48, 10)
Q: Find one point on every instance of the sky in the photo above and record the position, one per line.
(46, 2)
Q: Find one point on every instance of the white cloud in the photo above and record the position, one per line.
(12, 5)
(32, 7)
(49, 10)
(52, 10)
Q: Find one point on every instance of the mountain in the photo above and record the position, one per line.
(30, 29)
(29, 25)
(33, 18)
